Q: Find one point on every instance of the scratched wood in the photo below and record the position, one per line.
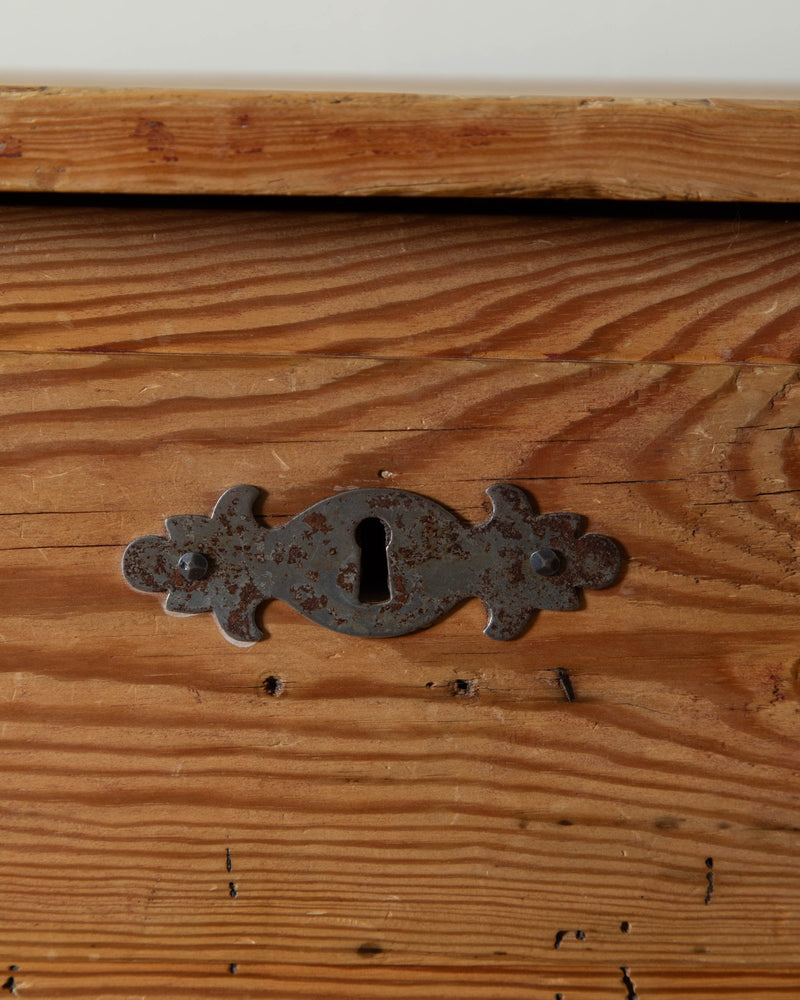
(171, 829)
(539, 284)
(397, 144)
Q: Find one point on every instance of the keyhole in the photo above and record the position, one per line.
(372, 536)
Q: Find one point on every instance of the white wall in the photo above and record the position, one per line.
(645, 47)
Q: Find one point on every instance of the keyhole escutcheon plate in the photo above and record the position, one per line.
(374, 562)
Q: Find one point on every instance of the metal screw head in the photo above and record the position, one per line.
(193, 566)
(546, 562)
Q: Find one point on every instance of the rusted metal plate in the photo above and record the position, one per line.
(374, 562)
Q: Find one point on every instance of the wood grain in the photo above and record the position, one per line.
(225, 142)
(534, 284)
(370, 833)
(388, 838)
(382, 981)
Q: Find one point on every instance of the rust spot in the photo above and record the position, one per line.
(347, 577)
(239, 620)
(249, 594)
(507, 530)
(516, 570)
(295, 555)
(307, 599)
(387, 501)
(317, 521)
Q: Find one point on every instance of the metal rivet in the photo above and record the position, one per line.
(546, 562)
(193, 566)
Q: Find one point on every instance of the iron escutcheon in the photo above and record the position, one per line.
(373, 562)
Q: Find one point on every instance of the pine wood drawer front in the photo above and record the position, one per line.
(365, 827)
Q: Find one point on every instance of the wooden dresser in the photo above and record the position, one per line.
(598, 301)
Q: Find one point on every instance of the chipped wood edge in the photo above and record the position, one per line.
(128, 141)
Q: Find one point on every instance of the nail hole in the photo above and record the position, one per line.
(625, 927)
(709, 879)
(372, 536)
(464, 688)
(565, 682)
(273, 686)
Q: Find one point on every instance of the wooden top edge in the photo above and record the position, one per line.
(138, 141)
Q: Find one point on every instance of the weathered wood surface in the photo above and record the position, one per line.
(388, 838)
(537, 285)
(377, 980)
(221, 142)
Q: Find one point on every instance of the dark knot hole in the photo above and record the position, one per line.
(372, 536)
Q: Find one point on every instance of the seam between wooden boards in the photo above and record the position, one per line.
(399, 358)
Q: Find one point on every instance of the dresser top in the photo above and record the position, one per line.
(129, 141)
